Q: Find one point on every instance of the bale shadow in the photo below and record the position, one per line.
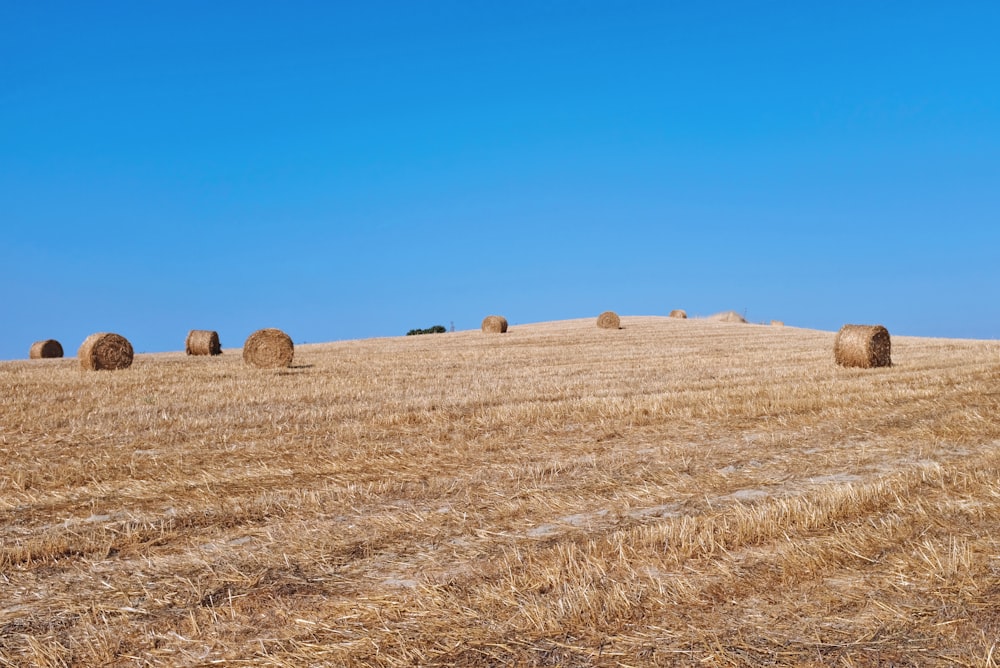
(295, 367)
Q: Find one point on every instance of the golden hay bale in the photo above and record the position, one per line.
(105, 351)
(777, 323)
(727, 316)
(678, 313)
(494, 324)
(609, 320)
(45, 349)
(863, 346)
(202, 342)
(268, 349)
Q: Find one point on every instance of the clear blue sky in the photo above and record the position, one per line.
(349, 170)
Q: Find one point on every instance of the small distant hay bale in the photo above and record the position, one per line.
(45, 349)
(202, 342)
(678, 313)
(777, 323)
(863, 346)
(105, 351)
(494, 324)
(728, 316)
(268, 349)
(609, 320)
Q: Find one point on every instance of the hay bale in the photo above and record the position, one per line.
(678, 313)
(777, 323)
(268, 349)
(105, 351)
(494, 324)
(202, 342)
(609, 320)
(727, 316)
(45, 349)
(864, 346)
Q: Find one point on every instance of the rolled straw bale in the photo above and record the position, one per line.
(45, 349)
(494, 324)
(777, 323)
(727, 316)
(678, 313)
(202, 342)
(609, 320)
(105, 351)
(268, 349)
(864, 346)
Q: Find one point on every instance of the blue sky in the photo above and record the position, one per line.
(350, 170)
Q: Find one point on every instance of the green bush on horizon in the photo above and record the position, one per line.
(436, 329)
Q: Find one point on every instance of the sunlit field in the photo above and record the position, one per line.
(677, 492)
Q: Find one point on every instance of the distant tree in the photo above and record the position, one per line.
(436, 329)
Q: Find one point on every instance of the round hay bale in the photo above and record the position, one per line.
(777, 323)
(609, 320)
(105, 351)
(678, 313)
(864, 346)
(494, 324)
(202, 342)
(727, 316)
(268, 349)
(45, 349)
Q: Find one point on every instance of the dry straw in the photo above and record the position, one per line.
(494, 324)
(45, 349)
(864, 346)
(678, 313)
(202, 342)
(777, 323)
(609, 320)
(727, 316)
(268, 349)
(105, 351)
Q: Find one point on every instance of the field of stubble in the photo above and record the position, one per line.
(672, 493)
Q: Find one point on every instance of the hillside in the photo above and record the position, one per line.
(677, 492)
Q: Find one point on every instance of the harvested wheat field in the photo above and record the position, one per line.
(685, 493)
